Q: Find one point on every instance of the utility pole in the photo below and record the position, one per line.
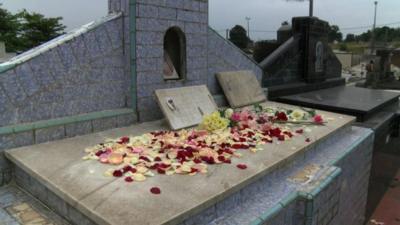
(311, 8)
(373, 30)
(248, 26)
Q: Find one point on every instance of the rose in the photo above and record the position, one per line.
(235, 117)
(318, 119)
(228, 113)
(297, 114)
(281, 116)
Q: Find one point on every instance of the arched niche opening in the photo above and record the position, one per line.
(174, 54)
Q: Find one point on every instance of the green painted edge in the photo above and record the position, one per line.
(63, 121)
(326, 182)
(132, 38)
(256, 222)
(7, 67)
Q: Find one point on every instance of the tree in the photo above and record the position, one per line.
(36, 29)
(25, 30)
(9, 28)
(334, 34)
(350, 38)
(238, 36)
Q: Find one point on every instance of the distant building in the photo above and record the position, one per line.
(4, 56)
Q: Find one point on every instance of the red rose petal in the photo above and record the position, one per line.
(308, 140)
(157, 159)
(197, 161)
(127, 168)
(155, 190)
(242, 166)
(228, 161)
(117, 173)
(129, 179)
(300, 131)
(124, 140)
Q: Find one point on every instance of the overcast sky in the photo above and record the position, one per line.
(266, 15)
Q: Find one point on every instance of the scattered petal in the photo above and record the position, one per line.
(242, 166)
(155, 190)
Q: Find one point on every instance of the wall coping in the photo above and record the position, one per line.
(18, 128)
(19, 59)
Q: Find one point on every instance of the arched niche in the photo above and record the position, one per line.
(174, 54)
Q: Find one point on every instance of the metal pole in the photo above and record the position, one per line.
(311, 8)
(373, 29)
(248, 26)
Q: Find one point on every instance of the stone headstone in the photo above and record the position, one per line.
(185, 107)
(241, 88)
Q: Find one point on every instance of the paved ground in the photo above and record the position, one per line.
(19, 208)
(388, 210)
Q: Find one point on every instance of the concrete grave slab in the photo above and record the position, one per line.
(185, 107)
(241, 88)
(59, 166)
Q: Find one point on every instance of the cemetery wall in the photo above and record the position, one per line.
(72, 85)
(223, 55)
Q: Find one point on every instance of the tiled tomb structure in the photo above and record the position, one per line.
(126, 50)
(291, 68)
(92, 79)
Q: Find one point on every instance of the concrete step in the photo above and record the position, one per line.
(18, 207)
(77, 190)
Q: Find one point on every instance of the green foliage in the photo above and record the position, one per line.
(343, 47)
(9, 28)
(36, 29)
(238, 36)
(24, 30)
(334, 34)
(262, 49)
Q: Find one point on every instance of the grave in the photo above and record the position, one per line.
(98, 86)
(382, 76)
(374, 109)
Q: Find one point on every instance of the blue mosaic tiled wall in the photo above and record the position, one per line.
(334, 197)
(81, 75)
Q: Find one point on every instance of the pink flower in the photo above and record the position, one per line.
(318, 119)
(236, 117)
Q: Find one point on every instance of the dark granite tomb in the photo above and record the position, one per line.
(359, 102)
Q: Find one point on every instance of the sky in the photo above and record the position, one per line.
(266, 15)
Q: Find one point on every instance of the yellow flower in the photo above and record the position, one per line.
(297, 114)
(214, 122)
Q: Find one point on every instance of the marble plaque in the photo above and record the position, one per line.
(241, 88)
(185, 107)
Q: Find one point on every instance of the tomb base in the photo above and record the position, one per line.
(277, 188)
